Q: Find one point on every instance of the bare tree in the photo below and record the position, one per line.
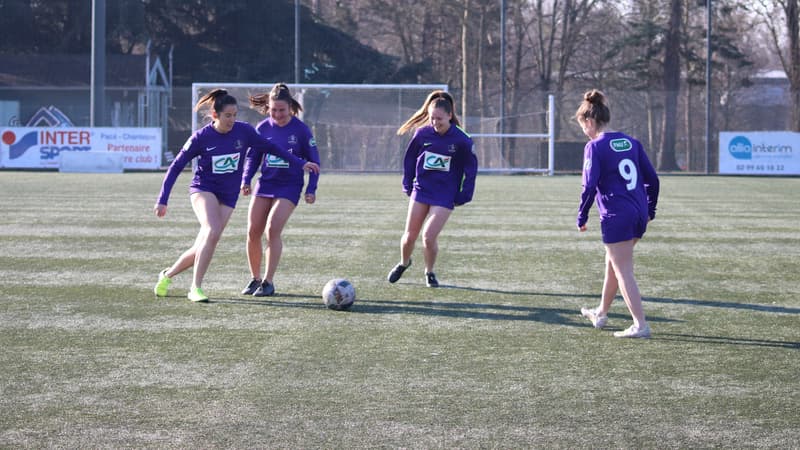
(786, 43)
(672, 80)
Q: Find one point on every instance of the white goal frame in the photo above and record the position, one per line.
(549, 135)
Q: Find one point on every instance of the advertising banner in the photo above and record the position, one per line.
(759, 153)
(40, 148)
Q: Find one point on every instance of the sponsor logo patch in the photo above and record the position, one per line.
(621, 145)
(435, 161)
(276, 161)
(222, 164)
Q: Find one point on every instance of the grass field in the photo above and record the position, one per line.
(499, 357)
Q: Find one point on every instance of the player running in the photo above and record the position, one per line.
(279, 187)
(220, 148)
(439, 170)
(618, 174)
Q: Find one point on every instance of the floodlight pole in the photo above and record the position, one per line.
(98, 64)
(297, 41)
(708, 85)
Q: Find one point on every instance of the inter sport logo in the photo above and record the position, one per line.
(17, 147)
(50, 142)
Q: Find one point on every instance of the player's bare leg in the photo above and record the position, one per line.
(278, 216)
(621, 256)
(610, 288)
(256, 224)
(417, 212)
(437, 218)
(213, 217)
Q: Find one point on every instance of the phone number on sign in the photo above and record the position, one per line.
(760, 167)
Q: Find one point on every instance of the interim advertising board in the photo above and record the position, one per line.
(39, 148)
(759, 153)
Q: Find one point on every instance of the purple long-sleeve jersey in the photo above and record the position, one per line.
(617, 174)
(294, 137)
(220, 159)
(439, 169)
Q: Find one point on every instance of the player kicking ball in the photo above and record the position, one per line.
(439, 170)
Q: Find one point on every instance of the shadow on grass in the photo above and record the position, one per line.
(727, 340)
(725, 304)
(483, 311)
(274, 300)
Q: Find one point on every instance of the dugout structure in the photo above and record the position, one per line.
(355, 125)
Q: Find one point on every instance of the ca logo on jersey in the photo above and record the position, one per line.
(276, 161)
(435, 161)
(222, 164)
(620, 145)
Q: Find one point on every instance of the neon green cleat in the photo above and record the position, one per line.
(197, 295)
(163, 284)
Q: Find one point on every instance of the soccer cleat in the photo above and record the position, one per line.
(163, 284)
(598, 321)
(634, 332)
(265, 289)
(430, 280)
(251, 287)
(197, 295)
(397, 272)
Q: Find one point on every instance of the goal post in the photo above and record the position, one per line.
(501, 138)
(355, 125)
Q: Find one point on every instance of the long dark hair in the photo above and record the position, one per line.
(440, 99)
(217, 99)
(594, 107)
(279, 92)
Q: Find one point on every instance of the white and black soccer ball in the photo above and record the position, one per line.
(339, 294)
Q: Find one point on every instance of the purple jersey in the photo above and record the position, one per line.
(220, 159)
(439, 169)
(278, 179)
(618, 174)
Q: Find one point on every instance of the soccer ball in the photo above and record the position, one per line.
(338, 294)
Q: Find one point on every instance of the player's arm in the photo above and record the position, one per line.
(410, 163)
(650, 181)
(312, 154)
(591, 176)
(470, 172)
(189, 151)
(260, 142)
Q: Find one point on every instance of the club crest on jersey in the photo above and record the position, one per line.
(621, 145)
(238, 144)
(276, 162)
(451, 148)
(435, 161)
(221, 164)
(292, 139)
